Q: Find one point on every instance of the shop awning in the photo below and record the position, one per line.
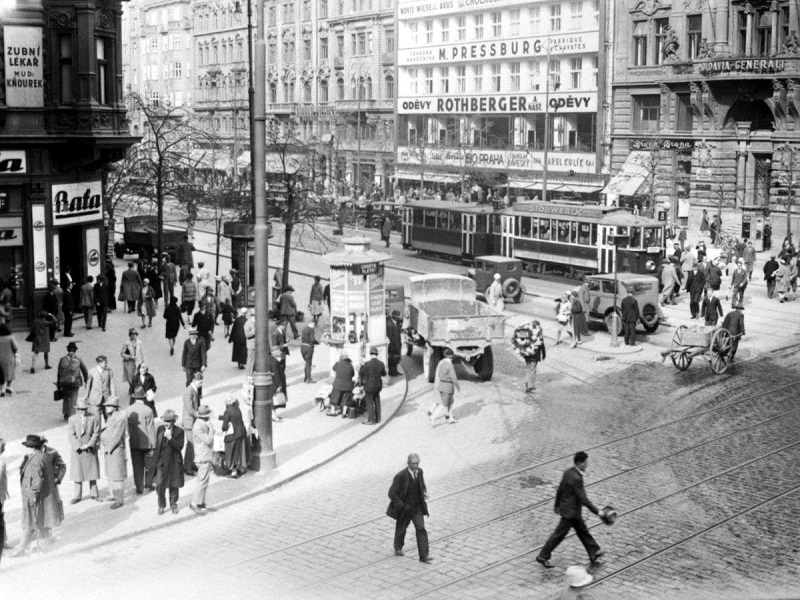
(556, 185)
(431, 177)
(630, 177)
(274, 162)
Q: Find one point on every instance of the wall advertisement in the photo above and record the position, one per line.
(77, 202)
(24, 76)
(557, 102)
(508, 160)
(421, 9)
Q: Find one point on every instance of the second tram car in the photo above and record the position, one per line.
(571, 239)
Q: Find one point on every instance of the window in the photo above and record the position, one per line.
(444, 80)
(575, 68)
(154, 44)
(515, 76)
(413, 33)
(534, 74)
(362, 43)
(178, 70)
(646, 112)
(478, 27)
(176, 41)
(273, 93)
(576, 15)
(65, 67)
(271, 53)
(477, 78)
(461, 79)
(390, 41)
(763, 32)
(273, 17)
(323, 91)
(741, 17)
(413, 78)
(444, 24)
(307, 11)
(594, 71)
(555, 17)
(640, 43)
(368, 88)
(307, 92)
(389, 86)
(684, 117)
(497, 24)
(461, 30)
(694, 35)
(306, 49)
(496, 73)
(514, 18)
(323, 48)
(536, 19)
(340, 46)
(353, 44)
(783, 26)
(323, 8)
(340, 89)
(428, 32)
(369, 42)
(104, 85)
(428, 81)
(554, 73)
(662, 32)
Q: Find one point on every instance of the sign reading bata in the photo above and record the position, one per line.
(579, 162)
(24, 78)
(521, 48)
(414, 9)
(77, 202)
(558, 102)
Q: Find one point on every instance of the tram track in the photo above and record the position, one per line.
(547, 500)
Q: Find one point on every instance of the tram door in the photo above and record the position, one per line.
(467, 235)
(408, 218)
(507, 235)
(606, 249)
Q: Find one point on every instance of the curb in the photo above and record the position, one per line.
(225, 503)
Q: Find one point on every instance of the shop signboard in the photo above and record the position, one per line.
(11, 232)
(505, 160)
(77, 203)
(24, 71)
(534, 102)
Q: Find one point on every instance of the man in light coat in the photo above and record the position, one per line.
(191, 404)
(142, 434)
(670, 281)
(99, 386)
(494, 294)
(72, 375)
(113, 439)
(447, 384)
(203, 434)
(83, 431)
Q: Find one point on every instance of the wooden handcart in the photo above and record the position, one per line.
(713, 344)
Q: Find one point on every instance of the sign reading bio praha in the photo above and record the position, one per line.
(579, 162)
(24, 80)
(77, 202)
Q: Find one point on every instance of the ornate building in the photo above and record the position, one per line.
(706, 101)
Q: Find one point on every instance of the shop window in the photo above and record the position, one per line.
(534, 228)
(694, 35)
(66, 68)
(646, 112)
(684, 117)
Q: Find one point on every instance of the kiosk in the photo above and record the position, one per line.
(358, 313)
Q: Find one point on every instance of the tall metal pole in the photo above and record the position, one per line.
(546, 124)
(358, 135)
(251, 100)
(264, 458)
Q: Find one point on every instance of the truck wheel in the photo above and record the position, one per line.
(375, 222)
(510, 288)
(518, 297)
(650, 318)
(435, 357)
(609, 322)
(484, 366)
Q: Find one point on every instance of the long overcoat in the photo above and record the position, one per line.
(113, 439)
(131, 286)
(168, 458)
(84, 466)
(239, 340)
(37, 482)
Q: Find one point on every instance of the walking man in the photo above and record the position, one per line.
(168, 461)
(570, 500)
(191, 404)
(734, 323)
(68, 307)
(371, 376)
(408, 496)
(749, 256)
(669, 281)
(630, 316)
(712, 309)
(308, 340)
(447, 384)
(288, 309)
(194, 359)
(72, 375)
(695, 285)
(395, 347)
(315, 299)
(113, 439)
(99, 387)
(494, 294)
(142, 436)
(770, 269)
(87, 301)
(83, 430)
(203, 434)
(738, 283)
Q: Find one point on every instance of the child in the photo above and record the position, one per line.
(228, 314)
(563, 310)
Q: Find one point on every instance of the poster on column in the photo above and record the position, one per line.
(57, 256)
(39, 243)
(24, 78)
(93, 251)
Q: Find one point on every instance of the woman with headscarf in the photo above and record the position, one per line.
(233, 424)
(174, 319)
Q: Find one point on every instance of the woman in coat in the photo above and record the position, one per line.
(189, 295)
(144, 380)
(132, 356)
(147, 303)
(579, 326)
(342, 384)
(232, 422)
(239, 339)
(111, 277)
(174, 318)
(131, 287)
(9, 355)
(41, 338)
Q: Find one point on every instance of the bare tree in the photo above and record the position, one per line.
(786, 174)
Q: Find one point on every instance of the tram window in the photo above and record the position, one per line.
(544, 229)
(584, 233)
(594, 235)
(534, 227)
(563, 231)
(430, 219)
(652, 237)
(454, 221)
(444, 220)
(636, 238)
(417, 217)
(480, 223)
(573, 234)
(524, 227)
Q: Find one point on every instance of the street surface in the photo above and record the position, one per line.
(701, 468)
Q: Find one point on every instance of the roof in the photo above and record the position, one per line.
(448, 205)
(625, 277)
(438, 276)
(355, 251)
(497, 258)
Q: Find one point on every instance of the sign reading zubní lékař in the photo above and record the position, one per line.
(24, 70)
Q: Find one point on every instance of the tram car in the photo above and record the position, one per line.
(566, 238)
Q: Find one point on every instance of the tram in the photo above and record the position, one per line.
(566, 238)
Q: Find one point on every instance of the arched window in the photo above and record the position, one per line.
(215, 54)
(368, 90)
(273, 93)
(239, 50)
(389, 87)
(340, 88)
(216, 21)
(323, 91)
(307, 92)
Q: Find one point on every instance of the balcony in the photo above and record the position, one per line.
(353, 105)
(282, 107)
(387, 59)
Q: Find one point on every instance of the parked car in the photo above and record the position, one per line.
(601, 298)
(510, 270)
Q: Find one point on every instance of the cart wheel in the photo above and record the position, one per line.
(681, 360)
(677, 337)
(721, 344)
(361, 221)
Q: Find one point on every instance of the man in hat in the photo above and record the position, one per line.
(130, 287)
(54, 504)
(194, 359)
(714, 276)
(695, 285)
(238, 339)
(169, 276)
(203, 322)
(630, 315)
(142, 438)
(494, 294)
(112, 437)
(72, 375)
(101, 293)
(168, 461)
(236, 288)
(37, 481)
(203, 434)
(308, 340)
(100, 386)
(447, 385)
(184, 252)
(669, 281)
(371, 376)
(67, 308)
(191, 403)
(738, 283)
(770, 269)
(250, 340)
(395, 347)
(315, 299)
(408, 504)
(87, 301)
(749, 256)
(287, 308)
(570, 500)
(734, 323)
(83, 431)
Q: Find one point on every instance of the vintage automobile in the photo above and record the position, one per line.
(601, 298)
(510, 270)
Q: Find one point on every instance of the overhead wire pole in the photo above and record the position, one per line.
(264, 458)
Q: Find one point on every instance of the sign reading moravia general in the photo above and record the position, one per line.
(747, 65)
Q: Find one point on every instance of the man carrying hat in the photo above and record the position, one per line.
(83, 431)
(72, 375)
(37, 481)
(99, 386)
(371, 376)
(168, 461)
(194, 359)
(203, 434)
(142, 438)
(734, 323)
(112, 438)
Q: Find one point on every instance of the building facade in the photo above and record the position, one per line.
(705, 109)
(501, 94)
(62, 120)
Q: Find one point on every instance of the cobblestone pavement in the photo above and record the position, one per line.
(702, 469)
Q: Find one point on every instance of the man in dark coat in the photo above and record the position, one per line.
(570, 500)
(770, 269)
(194, 358)
(168, 462)
(308, 340)
(695, 285)
(184, 252)
(712, 309)
(142, 438)
(101, 295)
(395, 347)
(408, 496)
(68, 307)
(714, 276)
(239, 339)
(342, 384)
(630, 316)
(326, 296)
(72, 376)
(287, 308)
(371, 376)
(734, 323)
(203, 321)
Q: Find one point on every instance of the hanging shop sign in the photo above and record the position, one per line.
(12, 162)
(557, 102)
(24, 76)
(11, 232)
(77, 203)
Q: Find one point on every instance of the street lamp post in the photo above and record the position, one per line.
(264, 458)
(251, 92)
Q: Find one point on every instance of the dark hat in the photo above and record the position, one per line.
(33, 441)
(289, 288)
(138, 393)
(72, 346)
(395, 313)
(608, 515)
(101, 358)
(448, 352)
(169, 416)
(739, 306)
(374, 351)
(132, 331)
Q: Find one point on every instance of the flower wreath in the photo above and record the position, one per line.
(527, 340)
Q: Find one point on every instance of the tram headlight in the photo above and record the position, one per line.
(650, 265)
